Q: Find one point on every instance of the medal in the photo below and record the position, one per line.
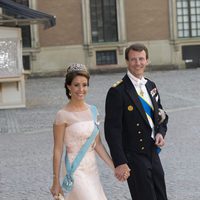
(141, 93)
(130, 108)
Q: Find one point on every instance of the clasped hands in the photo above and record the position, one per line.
(122, 172)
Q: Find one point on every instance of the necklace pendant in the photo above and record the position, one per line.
(141, 93)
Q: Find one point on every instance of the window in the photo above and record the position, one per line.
(103, 17)
(188, 18)
(26, 36)
(190, 54)
(26, 63)
(106, 57)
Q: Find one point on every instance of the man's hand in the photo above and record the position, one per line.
(122, 172)
(159, 140)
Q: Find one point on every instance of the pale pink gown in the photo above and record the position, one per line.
(79, 126)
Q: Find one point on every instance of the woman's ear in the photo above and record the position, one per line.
(68, 87)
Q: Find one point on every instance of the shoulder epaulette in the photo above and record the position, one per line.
(117, 83)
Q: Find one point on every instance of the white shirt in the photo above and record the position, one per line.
(140, 87)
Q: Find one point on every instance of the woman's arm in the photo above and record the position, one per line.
(103, 154)
(58, 133)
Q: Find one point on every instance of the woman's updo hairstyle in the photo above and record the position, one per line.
(74, 70)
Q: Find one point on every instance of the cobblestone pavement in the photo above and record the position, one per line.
(26, 137)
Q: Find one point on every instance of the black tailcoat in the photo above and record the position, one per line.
(128, 134)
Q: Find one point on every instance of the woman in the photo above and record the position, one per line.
(73, 125)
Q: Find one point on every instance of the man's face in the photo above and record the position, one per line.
(137, 63)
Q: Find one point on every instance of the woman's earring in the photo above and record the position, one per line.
(70, 93)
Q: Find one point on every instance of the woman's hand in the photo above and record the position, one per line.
(55, 190)
(122, 172)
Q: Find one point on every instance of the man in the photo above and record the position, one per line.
(135, 126)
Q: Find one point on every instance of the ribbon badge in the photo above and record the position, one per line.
(153, 92)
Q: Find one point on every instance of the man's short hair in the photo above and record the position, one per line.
(136, 47)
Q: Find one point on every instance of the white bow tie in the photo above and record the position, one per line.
(136, 81)
(140, 82)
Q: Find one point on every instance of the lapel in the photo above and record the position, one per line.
(132, 93)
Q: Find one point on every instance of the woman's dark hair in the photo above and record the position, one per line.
(136, 47)
(70, 76)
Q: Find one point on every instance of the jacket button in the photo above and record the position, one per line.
(142, 148)
(141, 140)
(139, 132)
(137, 124)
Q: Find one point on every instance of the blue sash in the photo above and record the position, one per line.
(149, 111)
(68, 179)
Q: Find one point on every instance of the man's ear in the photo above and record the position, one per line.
(148, 62)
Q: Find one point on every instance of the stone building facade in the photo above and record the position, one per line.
(96, 33)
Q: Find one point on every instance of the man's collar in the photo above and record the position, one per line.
(135, 80)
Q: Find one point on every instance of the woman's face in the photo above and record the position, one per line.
(78, 88)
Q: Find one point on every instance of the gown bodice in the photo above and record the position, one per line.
(79, 126)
